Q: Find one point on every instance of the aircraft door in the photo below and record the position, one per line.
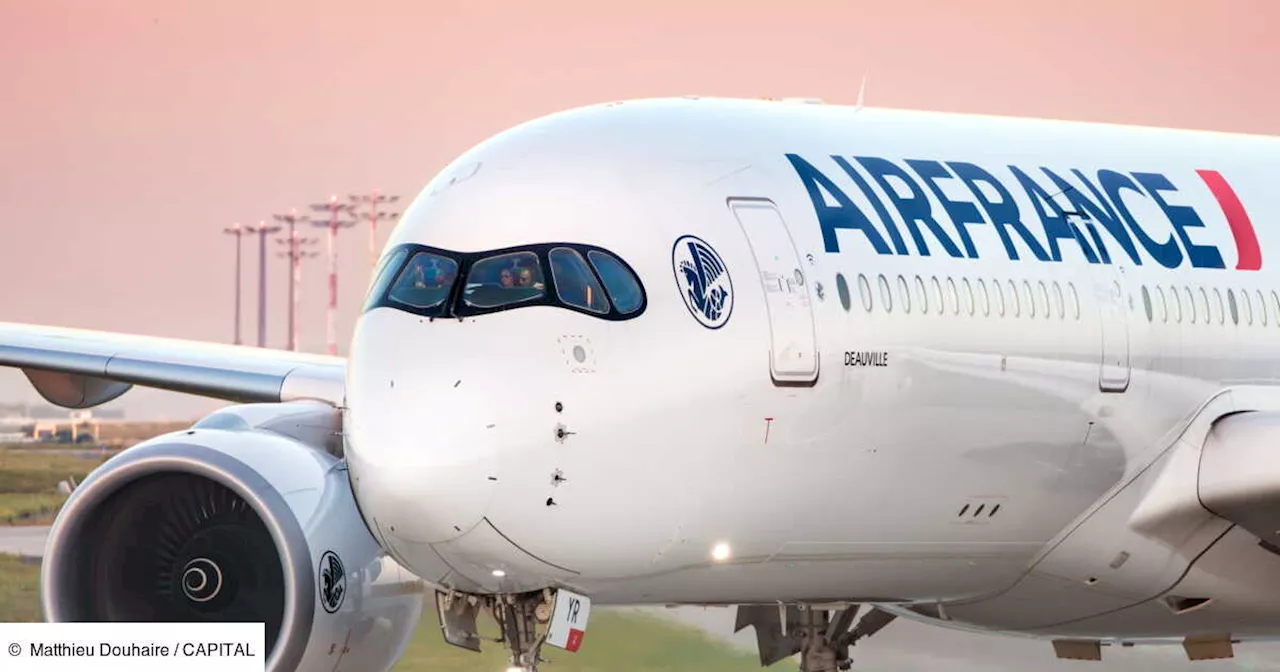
(793, 355)
(1114, 317)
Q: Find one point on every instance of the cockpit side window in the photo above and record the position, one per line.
(503, 280)
(624, 289)
(575, 285)
(384, 275)
(425, 282)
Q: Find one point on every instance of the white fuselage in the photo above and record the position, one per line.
(860, 425)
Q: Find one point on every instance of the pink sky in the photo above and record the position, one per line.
(134, 130)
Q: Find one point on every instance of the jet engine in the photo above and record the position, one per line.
(248, 516)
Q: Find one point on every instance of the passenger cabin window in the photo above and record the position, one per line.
(425, 282)
(504, 280)
(922, 297)
(842, 289)
(623, 288)
(886, 296)
(575, 285)
(864, 289)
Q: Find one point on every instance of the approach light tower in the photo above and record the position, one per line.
(373, 200)
(237, 231)
(295, 255)
(262, 230)
(334, 208)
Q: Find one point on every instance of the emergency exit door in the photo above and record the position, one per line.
(793, 355)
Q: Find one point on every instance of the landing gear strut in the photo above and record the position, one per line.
(519, 617)
(821, 636)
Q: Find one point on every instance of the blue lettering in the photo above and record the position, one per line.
(1181, 216)
(896, 236)
(1004, 214)
(1055, 225)
(846, 215)
(1099, 201)
(1167, 253)
(961, 213)
(1097, 210)
(913, 209)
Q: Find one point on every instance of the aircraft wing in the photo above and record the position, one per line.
(75, 368)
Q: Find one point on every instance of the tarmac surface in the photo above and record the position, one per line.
(23, 540)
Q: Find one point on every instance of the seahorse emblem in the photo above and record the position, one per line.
(708, 291)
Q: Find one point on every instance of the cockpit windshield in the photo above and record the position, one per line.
(425, 281)
(503, 280)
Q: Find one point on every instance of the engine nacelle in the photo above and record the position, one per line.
(247, 517)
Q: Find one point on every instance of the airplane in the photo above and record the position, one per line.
(829, 365)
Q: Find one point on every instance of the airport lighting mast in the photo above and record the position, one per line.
(373, 200)
(295, 255)
(262, 231)
(237, 231)
(335, 208)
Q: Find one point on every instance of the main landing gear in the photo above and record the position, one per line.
(821, 635)
(527, 621)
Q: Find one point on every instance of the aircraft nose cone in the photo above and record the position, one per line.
(418, 489)
(421, 458)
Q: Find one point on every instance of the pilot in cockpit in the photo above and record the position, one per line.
(428, 275)
(526, 279)
(441, 277)
(419, 275)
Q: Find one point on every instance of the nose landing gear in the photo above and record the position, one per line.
(519, 617)
(526, 620)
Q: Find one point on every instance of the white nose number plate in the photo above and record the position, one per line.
(569, 620)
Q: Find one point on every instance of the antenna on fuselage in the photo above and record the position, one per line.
(862, 92)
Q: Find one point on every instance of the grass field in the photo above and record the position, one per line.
(618, 640)
(19, 591)
(29, 480)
